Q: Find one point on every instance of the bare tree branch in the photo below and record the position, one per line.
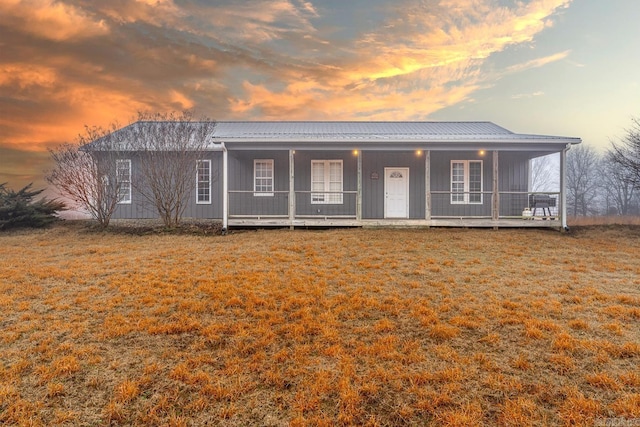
(168, 147)
(583, 183)
(618, 185)
(626, 153)
(545, 173)
(88, 176)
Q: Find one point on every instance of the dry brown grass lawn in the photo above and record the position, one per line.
(447, 327)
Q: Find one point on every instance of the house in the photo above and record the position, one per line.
(367, 173)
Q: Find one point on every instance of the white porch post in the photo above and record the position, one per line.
(292, 191)
(359, 189)
(427, 185)
(225, 187)
(563, 189)
(495, 208)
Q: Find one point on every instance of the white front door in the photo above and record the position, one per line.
(396, 192)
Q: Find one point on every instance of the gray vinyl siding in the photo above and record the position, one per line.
(242, 200)
(441, 205)
(140, 208)
(211, 210)
(513, 176)
(373, 164)
(302, 170)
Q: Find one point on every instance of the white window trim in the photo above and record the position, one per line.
(466, 183)
(126, 200)
(256, 192)
(198, 201)
(329, 198)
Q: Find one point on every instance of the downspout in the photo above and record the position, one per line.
(427, 186)
(359, 188)
(292, 189)
(495, 189)
(563, 185)
(225, 188)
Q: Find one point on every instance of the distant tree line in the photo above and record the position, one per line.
(605, 183)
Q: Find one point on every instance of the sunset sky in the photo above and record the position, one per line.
(561, 67)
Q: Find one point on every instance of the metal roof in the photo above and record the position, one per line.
(248, 135)
(335, 131)
(351, 130)
(139, 135)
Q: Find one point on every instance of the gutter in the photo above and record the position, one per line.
(466, 139)
(563, 186)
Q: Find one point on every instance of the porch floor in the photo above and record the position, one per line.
(448, 222)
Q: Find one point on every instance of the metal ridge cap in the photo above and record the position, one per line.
(356, 121)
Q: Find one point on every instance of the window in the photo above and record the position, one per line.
(203, 180)
(326, 176)
(123, 176)
(466, 181)
(263, 177)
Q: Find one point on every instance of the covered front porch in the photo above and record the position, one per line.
(493, 208)
(422, 174)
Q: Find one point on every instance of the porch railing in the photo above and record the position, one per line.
(537, 204)
(251, 204)
(326, 204)
(308, 204)
(512, 204)
(443, 204)
(447, 204)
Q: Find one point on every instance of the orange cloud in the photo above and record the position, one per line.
(25, 75)
(181, 101)
(409, 68)
(264, 21)
(240, 60)
(466, 29)
(67, 108)
(380, 104)
(154, 12)
(50, 19)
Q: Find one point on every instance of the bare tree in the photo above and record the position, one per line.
(583, 181)
(626, 153)
(88, 177)
(618, 187)
(168, 147)
(545, 173)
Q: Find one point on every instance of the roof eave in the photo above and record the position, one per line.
(512, 144)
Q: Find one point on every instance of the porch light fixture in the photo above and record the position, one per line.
(355, 152)
(481, 152)
(418, 153)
